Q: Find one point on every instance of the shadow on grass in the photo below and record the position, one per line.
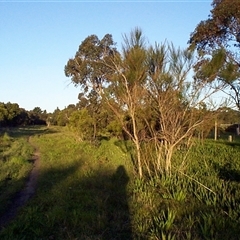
(17, 132)
(118, 219)
(69, 206)
(127, 148)
(227, 172)
(233, 144)
(15, 201)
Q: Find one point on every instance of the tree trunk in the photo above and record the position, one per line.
(215, 131)
(139, 159)
(94, 130)
(137, 144)
(168, 163)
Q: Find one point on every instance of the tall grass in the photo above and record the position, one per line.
(199, 201)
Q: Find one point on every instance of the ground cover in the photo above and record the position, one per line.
(78, 190)
(89, 191)
(15, 163)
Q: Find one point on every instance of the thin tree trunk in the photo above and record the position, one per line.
(168, 164)
(137, 144)
(94, 130)
(139, 160)
(215, 131)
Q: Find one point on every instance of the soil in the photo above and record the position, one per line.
(21, 198)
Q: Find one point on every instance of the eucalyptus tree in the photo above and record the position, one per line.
(217, 41)
(88, 72)
(86, 69)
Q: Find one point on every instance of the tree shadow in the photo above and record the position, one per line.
(17, 132)
(227, 173)
(233, 144)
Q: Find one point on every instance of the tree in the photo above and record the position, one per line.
(217, 41)
(94, 108)
(12, 115)
(86, 69)
(9, 113)
(37, 111)
(147, 89)
(173, 103)
(37, 116)
(82, 124)
(228, 115)
(52, 118)
(98, 67)
(3, 113)
(126, 92)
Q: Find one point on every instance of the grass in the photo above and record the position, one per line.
(15, 164)
(90, 192)
(80, 192)
(198, 202)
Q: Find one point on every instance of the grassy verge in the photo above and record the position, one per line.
(90, 192)
(15, 163)
(199, 201)
(82, 192)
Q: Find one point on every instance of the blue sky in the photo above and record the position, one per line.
(38, 38)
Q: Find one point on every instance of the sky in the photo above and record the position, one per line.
(37, 38)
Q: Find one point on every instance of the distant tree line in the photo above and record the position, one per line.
(90, 121)
(11, 115)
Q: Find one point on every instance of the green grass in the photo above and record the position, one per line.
(15, 164)
(200, 201)
(80, 192)
(90, 192)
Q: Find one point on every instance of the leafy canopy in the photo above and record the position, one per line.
(217, 41)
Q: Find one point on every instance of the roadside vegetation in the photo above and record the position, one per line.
(15, 163)
(135, 157)
(89, 191)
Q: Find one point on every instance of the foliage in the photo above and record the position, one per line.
(91, 192)
(86, 68)
(9, 113)
(228, 115)
(217, 40)
(37, 116)
(81, 123)
(97, 111)
(141, 79)
(12, 115)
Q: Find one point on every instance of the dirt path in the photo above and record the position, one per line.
(26, 193)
